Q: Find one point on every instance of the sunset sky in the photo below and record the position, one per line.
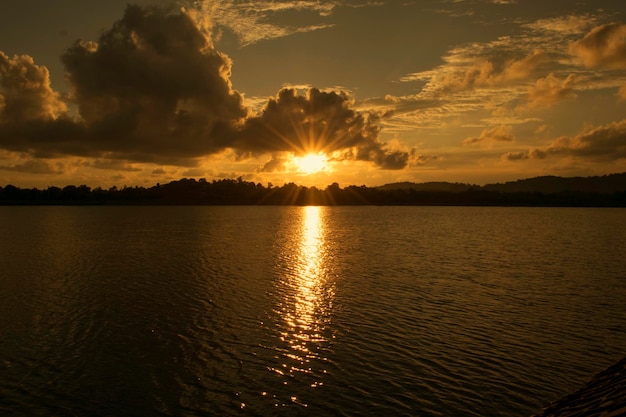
(475, 91)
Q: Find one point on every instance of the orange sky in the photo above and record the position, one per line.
(473, 91)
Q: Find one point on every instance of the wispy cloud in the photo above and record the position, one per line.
(512, 75)
(255, 21)
(564, 25)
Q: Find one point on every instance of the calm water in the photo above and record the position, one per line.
(202, 311)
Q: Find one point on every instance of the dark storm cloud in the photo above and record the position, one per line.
(150, 89)
(153, 89)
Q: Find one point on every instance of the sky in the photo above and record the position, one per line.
(380, 91)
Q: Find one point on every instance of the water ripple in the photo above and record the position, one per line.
(188, 311)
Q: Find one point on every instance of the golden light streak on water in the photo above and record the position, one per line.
(311, 265)
(308, 301)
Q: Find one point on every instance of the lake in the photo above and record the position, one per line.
(339, 311)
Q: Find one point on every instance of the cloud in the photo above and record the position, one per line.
(507, 75)
(150, 89)
(542, 129)
(491, 76)
(464, 8)
(384, 158)
(464, 72)
(604, 144)
(35, 166)
(276, 164)
(399, 114)
(153, 89)
(398, 105)
(621, 93)
(515, 156)
(255, 21)
(524, 68)
(115, 165)
(567, 25)
(420, 160)
(603, 46)
(318, 121)
(153, 86)
(550, 90)
(491, 136)
(25, 91)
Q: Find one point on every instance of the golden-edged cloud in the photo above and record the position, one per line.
(154, 89)
(319, 121)
(26, 91)
(604, 143)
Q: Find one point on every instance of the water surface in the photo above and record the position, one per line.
(196, 311)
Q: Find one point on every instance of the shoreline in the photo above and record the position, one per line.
(604, 395)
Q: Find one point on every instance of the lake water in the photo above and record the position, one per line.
(339, 311)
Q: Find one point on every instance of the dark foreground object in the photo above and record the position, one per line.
(604, 395)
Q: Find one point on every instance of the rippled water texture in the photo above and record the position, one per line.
(199, 311)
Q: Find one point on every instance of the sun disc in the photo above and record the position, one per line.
(311, 163)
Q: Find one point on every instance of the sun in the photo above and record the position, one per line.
(311, 163)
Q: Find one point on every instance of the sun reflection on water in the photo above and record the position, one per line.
(307, 303)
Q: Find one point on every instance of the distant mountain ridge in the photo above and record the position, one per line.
(605, 184)
(452, 187)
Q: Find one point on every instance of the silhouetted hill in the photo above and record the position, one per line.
(605, 184)
(429, 186)
(612, 183)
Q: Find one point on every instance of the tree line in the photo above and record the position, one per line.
(188, 191)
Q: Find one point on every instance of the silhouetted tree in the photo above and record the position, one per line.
(237, 192)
